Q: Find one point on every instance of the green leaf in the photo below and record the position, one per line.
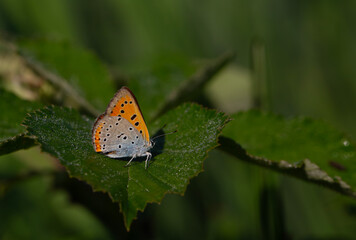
(74, 70)
(13, 111)
(25, 164)
(172, 81)
(153, 87)
(308, 149)
(196, 82)
(31, 209)
(177, 157)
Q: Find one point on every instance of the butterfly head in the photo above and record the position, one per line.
(151, 143)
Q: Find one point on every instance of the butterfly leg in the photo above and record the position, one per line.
(149, 155)
(127, 164)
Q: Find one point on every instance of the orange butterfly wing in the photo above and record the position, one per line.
(123, 104)
(96, 133)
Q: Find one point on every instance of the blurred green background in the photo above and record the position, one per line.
(300, 53)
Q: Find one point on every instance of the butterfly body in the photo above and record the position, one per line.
(121, 131)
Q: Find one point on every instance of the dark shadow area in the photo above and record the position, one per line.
(159, 140)
(100, 205)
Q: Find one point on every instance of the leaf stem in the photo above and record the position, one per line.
(62, 84)
(305, 170)
(195, 83)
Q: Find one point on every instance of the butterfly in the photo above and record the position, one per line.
(121, 131)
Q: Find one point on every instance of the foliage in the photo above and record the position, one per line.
(31, 209)
(150, 49)
(12, 133)
(66, 135)
(302, 147)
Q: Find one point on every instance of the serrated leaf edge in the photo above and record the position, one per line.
(219, 130)
(96, 188)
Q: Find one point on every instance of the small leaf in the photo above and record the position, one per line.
(302, 147)
(13, 111)
(31, 209)
(169, 84)
(196, 82)
(177, 157)
(75, 70)
(153, 88)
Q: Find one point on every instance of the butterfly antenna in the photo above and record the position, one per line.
(163, 135)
